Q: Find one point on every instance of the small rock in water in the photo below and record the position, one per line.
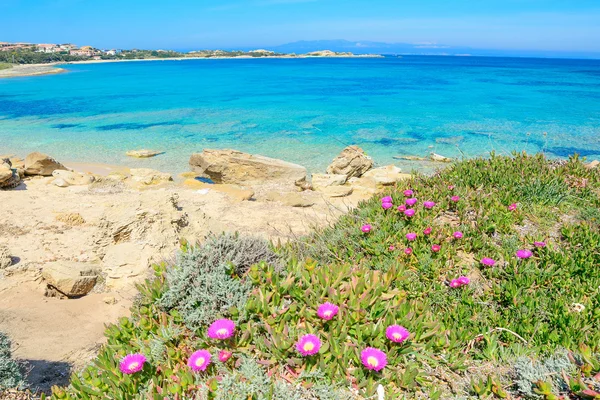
(409, 158)
(143, 153)
(439, 158)
(352, 162)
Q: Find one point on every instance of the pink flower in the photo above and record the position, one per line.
(402, 208)
(427, 231)
(132, 363)
(221, 329)
(397, 333)
(224, 355)
(386, 206)
(524, 254)
(373, 359)
(408, 251)
(450, 187)
(408, 192)
(435, 248)
(409, 213)
(512, 207)
(490, 262)
(308, 345)
(457, 235)
(455, 283)
(455, 199)
(327, 311)
(411, 202)
(539, 244)
(199, 360)
(366, 228)
(411, 236)
(463, 280)
(387, 199)
(392, 248)
(429, 204)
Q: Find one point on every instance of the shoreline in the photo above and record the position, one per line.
(24, 70)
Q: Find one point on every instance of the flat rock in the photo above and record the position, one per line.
(73, 178)
(60, 182)
(5, 259)
(237, 192)
(149, 176)
(41, 164)
(352, 162)
(336, 191)
(387, 175)
(290, 199)
(231, 166)
(72, 279)
(124, 260)
(325, 180)
(439, 158)
(409, 158)
(143, 153)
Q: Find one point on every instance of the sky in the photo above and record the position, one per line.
(542, 25)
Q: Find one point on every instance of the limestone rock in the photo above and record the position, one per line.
(594, 164)
(336, 191)
(364, 185)
(41, 164)
(143, 153)
(72, 279)
(409, 158)
(5, 259)
(71, 219)
(124, 260)
(9, 177)
(387, 175)
(237, 192)
(149, 176)
(231, 166)
(439, 158)
(325, 180)
(352, 162)
(5, 174)
(110, 300)
(73, 178)
(290, 199)
(60, 182)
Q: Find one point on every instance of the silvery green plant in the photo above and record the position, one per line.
(10, 375)
(528, 372)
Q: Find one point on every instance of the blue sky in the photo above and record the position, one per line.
(556, 25)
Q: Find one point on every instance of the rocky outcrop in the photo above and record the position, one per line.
(387, 175)
(439, 158)
(41, 164)
(70, 278)
(290, 199)
(9, 177)
(593, 164)
(143, 153)
(336, 191)
(5, 258)
(72, 178)
(324, 180)
(352, 162)
(147, 176)
(234, 191)
(231, 166)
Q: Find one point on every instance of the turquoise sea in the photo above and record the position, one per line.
(305, 110)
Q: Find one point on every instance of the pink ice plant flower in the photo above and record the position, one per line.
(224, 355)
(327, 311)
(457, 235)
(366, 228)
(386, 206)
(392, 248)
(397, 333)
(386, 199)
(401, 208)
(490, 262)
(411, 236)
(308, 345)
(454, 283)
(524, 254)
(463, 280)
(221, 329)
(427, 231)
(455, 199)
(410, 212)
(539, 244)
(429, 204)
(435, 248)
(450, 187)
(512, 207)
(132, 363)
(373, 359)
(411, 202)
(408, 251)
(408, 193)
(199, 360)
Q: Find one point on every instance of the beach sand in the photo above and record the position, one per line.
(30, 70)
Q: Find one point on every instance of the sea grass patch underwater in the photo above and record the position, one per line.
(459, 315)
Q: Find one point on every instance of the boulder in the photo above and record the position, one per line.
(60, 182)
(231, 166)
(237, 192)
(6, 173)
(71, 278)
(73, 178)
(290, 199)
(352, 162)
(5, 258)
(336, 191)
(439, 158)
(149, 176)
(387, 175)
(325, 180)
(143, 153)
(9, 177)
(41, 164)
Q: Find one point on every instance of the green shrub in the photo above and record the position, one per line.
(10, 375)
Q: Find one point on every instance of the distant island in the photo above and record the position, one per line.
(45, 53)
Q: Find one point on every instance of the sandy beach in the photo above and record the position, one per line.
(30, 70)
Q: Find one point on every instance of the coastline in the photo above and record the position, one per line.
(24, 70)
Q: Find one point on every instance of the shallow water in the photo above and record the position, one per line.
(305, 110)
